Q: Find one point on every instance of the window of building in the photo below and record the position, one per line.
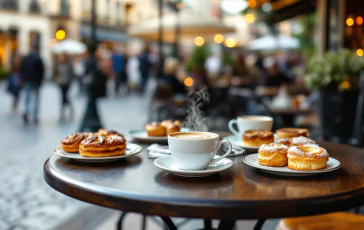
(118, 12)
(65, 7)
(9, 4)
(34, 6)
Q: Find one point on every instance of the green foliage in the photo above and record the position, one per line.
(4, 73)
(197, 59)
(333, 69)
(306, 35)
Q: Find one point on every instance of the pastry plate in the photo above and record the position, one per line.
(167, 163)
(131, 149)
(252, 160)
(237, 141)
(141, 135)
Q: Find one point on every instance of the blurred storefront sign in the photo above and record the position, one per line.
(103, 34)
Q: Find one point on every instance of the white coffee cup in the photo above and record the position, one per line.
(245, 123)
(195, 150)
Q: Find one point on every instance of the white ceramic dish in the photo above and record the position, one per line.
(252, 160)
(131, 149)
(167, 163)
(237, 141)
(141, 135)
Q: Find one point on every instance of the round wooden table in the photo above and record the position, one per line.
(134, 184)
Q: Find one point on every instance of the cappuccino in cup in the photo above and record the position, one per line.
(195, 150)
(193, 135)
(245, 123)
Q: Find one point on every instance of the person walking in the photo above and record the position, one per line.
(32, 74)
(15, 83)
(79, 73)
(144, 68)
(64, 79)
(117, 67)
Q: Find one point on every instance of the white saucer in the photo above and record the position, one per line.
(252, 160)
(131, 149)
(141, 135)
(167, 163)
(237, 141)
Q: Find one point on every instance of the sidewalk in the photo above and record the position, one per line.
(26, 201)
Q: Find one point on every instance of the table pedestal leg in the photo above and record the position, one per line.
(119, 225)
(259, 224)
(167, 221)
(226, 225)
(207, 224)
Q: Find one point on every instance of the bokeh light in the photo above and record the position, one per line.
(199, 41)
(179, 5)
(360, 52)
(359, 20)
(188, 82)
(250, 18)
(252, 3)
(230, 42)
(219, 38)
(60, 34)
(349, 21)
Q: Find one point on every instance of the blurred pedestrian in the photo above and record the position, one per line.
(144, 68)
(118, 65)
(170, 76)
(32, 74)
(64, 79)
(15, 83)
(133, 73)
(79, 73)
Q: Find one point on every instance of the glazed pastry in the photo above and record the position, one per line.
(155, 129)
(108, 132)
(291, 132)
(257, 137)
(272, 154)
(307, 157)
(284, 141)
(71, 143)
(172, 127)
(100, 146)
(298, 141)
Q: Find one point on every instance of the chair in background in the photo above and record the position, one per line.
(161, 103)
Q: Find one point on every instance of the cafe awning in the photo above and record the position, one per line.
(191, 23)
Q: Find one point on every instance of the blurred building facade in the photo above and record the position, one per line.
(27, 22)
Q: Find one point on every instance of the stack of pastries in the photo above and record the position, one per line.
(294, 150)
(103, 143)
(161, 129)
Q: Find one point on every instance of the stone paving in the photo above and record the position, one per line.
(26, 201)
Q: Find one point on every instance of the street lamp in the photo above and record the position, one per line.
(91, 121)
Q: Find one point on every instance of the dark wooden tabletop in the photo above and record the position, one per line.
(135, 185)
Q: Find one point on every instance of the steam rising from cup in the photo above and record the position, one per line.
(195, 119)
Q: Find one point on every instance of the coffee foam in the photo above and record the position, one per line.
(256, 118)
(193, 135)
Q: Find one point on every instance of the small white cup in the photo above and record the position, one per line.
(195, 154)
(245, 123)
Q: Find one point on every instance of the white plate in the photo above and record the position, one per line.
(252, 160)
(167, 163)
(131, 149)
(141, 135)
(237, 141)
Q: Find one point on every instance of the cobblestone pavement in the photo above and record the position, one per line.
(26, 201)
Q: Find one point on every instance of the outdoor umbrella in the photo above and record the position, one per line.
(69, 46)
(192, 24)
(270, 42)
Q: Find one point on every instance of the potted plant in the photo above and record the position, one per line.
(196, 63)
(336, 78)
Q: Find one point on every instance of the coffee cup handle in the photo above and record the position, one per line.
(231, 127)
(226, 154)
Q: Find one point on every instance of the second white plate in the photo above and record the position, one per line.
(141, 135)
(237, 141)
(131, 149)
(252, 160)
